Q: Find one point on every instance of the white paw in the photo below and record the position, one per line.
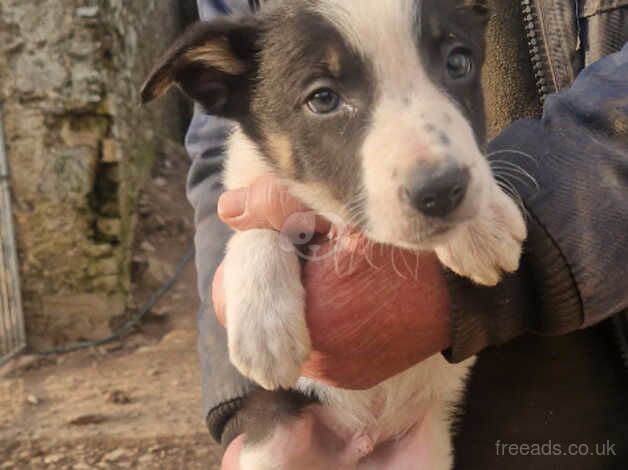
(488, 246)
(268, 337)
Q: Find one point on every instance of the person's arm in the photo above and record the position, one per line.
(222, 385)
(575, 267)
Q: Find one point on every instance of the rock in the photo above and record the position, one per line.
(160, 221)
(146, 458)
(33, 400)
(82, 466)
(111, 151)
(87, 134)
(17, 364)
(161, 311)
(109, 227)
(160, 182)
(116, 455)
(87, 12)
(147, 246)
(85, 420)
(106, 283)
(178, 339)
(158, 270)
(39, 75)
(55, 458)
(103, 267)
(119, 397)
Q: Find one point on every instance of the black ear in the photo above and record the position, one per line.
(213, 63)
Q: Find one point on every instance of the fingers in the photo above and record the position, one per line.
(402, 307)
(267, 204)
(231, 459)
(218, 295)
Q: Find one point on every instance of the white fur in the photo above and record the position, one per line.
(489, 245)
(267, 332)
(398, 401)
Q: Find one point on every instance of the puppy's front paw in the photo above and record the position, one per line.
(488, 246)
(268, 337)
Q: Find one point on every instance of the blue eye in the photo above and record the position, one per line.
(459, 63)
(323, 101)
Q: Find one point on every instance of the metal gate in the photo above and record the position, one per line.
(12, 335)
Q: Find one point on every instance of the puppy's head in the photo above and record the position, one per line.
(378, 104)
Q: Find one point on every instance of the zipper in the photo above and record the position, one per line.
(536, 46)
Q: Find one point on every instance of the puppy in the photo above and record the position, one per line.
(372, 111)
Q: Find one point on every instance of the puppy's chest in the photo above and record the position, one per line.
(383, 412)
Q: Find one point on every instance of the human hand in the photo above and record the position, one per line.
(372, 310)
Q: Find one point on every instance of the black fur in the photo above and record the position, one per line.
(263, 411)
(450, 24)
(220, 93)
(294, 63)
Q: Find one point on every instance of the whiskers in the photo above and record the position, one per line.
(352, 249)
(412, 271)
(507, 172)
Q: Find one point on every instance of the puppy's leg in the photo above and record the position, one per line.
(267, 332)
(489, 245)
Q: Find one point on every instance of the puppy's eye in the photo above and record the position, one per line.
(323, 101)
(459, 63)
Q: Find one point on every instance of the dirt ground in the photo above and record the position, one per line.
(134, 403)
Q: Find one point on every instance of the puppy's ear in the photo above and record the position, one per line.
(212, 63)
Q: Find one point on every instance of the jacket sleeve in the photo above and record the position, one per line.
(571, 170)
(222, 385)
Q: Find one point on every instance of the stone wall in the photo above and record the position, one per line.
(79, 148)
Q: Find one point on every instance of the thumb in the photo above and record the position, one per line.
(267, 204)
(231, 459)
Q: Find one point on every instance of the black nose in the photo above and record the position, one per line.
(438, 190)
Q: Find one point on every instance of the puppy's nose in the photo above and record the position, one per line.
(438, 190)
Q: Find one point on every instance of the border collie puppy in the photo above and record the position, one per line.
(371, 110)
